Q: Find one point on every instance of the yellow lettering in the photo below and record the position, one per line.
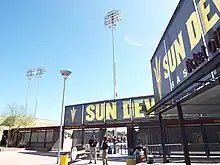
(111, 111)
(172, 59)
(208, 21)
(166, 67)
(90, 112)
(179, 48)
(217, 4)
(99, 111)
(150, 104)
(126, 110)
(194, 30)
(138, 108)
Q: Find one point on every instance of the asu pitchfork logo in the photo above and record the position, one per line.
(157, 74)
(73, 113)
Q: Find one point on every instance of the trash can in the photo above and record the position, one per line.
(131, 160)
(64, 159)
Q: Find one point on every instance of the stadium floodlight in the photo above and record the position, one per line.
(31, 74)
(112, 18)
(38, 73)
(110, 21)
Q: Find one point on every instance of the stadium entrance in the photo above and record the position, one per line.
(107, 115)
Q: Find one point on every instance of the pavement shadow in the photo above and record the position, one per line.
(72, 163)
(39, 153)
(117, 159)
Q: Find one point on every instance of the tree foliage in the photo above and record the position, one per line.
(17, 117)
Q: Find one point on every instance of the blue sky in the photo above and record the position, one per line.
(70, 34)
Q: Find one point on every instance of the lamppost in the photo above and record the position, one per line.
(38, 74)
(65, 74)
(111, 19)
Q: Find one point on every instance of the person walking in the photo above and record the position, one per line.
(104, 148)
(93, 150)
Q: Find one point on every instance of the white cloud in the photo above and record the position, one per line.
(128, 41)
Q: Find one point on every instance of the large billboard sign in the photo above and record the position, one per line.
(190, 41)
(110, 111)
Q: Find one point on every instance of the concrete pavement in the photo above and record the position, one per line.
(84, 162)
(23, 157)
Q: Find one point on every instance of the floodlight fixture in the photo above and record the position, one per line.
(112, 18)
(40, 71)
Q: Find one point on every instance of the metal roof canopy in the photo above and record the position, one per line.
(207, 97)
(208, 100)
(191, 98)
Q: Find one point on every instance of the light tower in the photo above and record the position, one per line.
(38, 75)
(111, 19)
(31, 74)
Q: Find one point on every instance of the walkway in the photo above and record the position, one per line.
(23, 157)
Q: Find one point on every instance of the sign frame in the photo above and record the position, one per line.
(203, 70)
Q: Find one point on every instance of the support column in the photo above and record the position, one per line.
(83, 134)
(184, 136)
(45, 138)
(62, 139)
(29, 145)
(205, 140)
(114, 141)
(162, 133)
(130, 140)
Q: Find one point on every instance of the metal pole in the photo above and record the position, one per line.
(35, 109)
(28, 91)
(61, 121)
(114, 76)
(184, 135)
(162, 133)
(114, 65)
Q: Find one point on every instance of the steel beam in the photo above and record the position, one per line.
(184, 135)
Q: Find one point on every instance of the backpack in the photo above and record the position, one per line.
(104, 145)
(93, 143)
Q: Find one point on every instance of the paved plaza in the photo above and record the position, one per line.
(23, 157)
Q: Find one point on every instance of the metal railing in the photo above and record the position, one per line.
(196, 149)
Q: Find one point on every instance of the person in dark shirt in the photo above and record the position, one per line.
(93, 150)
(104, 148)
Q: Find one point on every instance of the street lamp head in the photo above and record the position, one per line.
(65, 73)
